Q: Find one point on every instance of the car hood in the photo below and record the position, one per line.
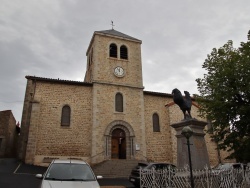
(69, 184)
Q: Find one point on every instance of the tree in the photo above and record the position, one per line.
(225, 98)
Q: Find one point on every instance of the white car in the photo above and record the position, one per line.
(68, 174)
(228, 166)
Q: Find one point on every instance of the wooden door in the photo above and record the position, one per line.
(122, 152)
(115, 148)
(118, 144)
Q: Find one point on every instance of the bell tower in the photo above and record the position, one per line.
(114, 67)
(114, 58)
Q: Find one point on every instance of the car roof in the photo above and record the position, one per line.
(229, 164)
(152, 163)
(74, 161)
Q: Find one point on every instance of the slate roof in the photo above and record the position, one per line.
(117, 33)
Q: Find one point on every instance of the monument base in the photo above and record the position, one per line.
(198, 148)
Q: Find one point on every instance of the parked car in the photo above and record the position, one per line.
(68, 174)
(226, 171)
(227, 166)
(134, 177)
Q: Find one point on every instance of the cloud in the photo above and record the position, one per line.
(49, 38)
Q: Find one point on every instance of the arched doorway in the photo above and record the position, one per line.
(127, 143)
(118, 144)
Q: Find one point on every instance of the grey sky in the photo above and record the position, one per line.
(49, 38)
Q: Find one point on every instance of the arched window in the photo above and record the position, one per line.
(156, 123)
(65, 119)
(123, 52)
(119, 102)
(113, 50)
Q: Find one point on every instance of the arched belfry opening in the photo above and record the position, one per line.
(119, 141)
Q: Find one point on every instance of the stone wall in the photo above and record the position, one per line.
(103, 69)
(159, 144)
(104, 113)
(25, 122)
(106, 86)
(46, 135)
(162, 146)
(92, 111)
(8, 134)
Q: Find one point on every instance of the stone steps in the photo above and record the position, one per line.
(116, 168)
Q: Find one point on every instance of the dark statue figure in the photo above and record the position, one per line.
(184, 103)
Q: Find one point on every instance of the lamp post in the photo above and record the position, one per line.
(188, 132)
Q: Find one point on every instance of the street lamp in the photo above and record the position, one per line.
(188, 132)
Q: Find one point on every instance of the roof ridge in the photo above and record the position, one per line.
(117, 33)
(57, 80)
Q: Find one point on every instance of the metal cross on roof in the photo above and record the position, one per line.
(112, 23)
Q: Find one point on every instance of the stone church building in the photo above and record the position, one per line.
(107, 116)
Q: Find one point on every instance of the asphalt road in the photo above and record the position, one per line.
(14, 174)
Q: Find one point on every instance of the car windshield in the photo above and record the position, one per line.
(227, 166)
(141, 165)
(70, 172)
(223, 167)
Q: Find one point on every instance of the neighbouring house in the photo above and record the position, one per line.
(8, 134)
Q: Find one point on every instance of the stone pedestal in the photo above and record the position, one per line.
(199, 155)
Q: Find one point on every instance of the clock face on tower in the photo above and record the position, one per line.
(119, 71)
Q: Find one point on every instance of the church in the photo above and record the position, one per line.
(107, 116)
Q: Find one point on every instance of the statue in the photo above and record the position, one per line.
(184, 103)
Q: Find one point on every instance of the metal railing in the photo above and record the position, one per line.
(99, 157)
(206, 178)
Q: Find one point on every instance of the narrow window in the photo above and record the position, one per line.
(156, 124)
(119, 102)
(113, 50)
(65, 119)
(123, 52)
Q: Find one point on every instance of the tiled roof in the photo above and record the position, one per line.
(58, 81)
(52, 80)
(158, 94)
(162, 94)
(117, 33)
